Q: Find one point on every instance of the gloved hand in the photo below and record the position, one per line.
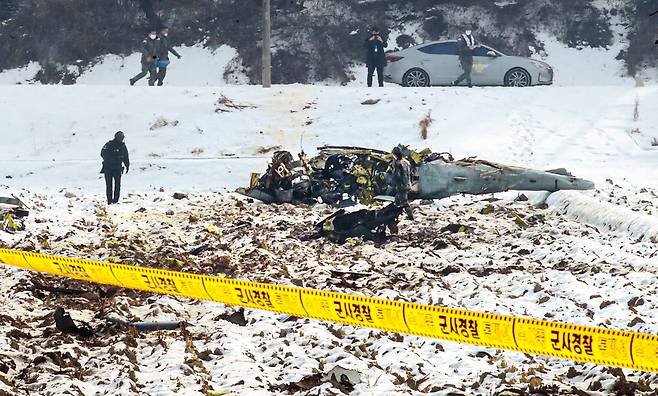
(179, 56)
(127, 169)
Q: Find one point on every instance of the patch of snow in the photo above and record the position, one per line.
(605, 216)
(21, 75)
(583, 66)
(199, 66)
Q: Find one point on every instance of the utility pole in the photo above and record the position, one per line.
(266, 74)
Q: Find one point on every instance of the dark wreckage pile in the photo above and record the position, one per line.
(345, 176)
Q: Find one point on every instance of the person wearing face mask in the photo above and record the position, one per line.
(375, 58)
(149, 57)
(163, 54)
(115, 155)
(466, 44)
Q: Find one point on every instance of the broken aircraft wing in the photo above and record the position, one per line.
(440, 179)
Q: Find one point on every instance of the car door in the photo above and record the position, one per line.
(487, 67)
(440, 61)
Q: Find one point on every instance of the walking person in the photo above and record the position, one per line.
(164, 48)
(375, 58)
(402, 181)
(115, 155)
(466, 44)
(149, 57)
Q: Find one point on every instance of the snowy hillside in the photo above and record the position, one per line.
(313, 40)
(587, 258)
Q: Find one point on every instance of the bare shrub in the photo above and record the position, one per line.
(424, 124)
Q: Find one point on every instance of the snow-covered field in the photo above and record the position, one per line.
(588, 258)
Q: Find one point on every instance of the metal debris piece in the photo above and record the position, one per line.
(370, 225)
(12, 213)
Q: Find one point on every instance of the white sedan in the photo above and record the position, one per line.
(437, 63)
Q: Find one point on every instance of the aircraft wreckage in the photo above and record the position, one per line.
(12, 213)
(343, 176)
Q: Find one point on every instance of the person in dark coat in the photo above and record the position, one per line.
(402, 181)
(375, 58)
(115, 155)
(466, 44)
(164, 48)
(149, 58)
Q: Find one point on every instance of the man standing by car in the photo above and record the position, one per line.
(466, 44)
(402, 181)
(163, 54)
(115, 155)
(149, 58)
(375, 58)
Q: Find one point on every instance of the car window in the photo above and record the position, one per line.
(481, 51)
(448, 48)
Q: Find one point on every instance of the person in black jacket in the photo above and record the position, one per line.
(375, 58)
(115, 155)
(149, 57)
(163, 54)
(401, 181)
(466, 44)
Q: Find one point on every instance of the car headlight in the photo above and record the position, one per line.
(540, 65)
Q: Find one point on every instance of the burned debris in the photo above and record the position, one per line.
(12, 213)
(344, 176)
(370, 225)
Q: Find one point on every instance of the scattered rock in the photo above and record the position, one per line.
(69, 195)
(488, 209)
(450, 269)
(162, 122)
(572, 373)
(455, 228)
(180, 195)
(237, 318)
(635, 302)
(439, 244)
(606, 304)
(370, 101)
(521, 198)
(265, 150)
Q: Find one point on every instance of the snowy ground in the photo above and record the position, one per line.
(589, 258)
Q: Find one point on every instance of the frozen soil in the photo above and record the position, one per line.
(557, 268)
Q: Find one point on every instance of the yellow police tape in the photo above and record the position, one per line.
(539, 337)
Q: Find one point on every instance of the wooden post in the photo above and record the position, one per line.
(266, 74)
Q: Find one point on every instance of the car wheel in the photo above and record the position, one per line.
(517, 78)
(416, 78)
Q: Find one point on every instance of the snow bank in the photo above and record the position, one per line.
(584, 66)
(604, 216)
(21, 75)
(199, 66)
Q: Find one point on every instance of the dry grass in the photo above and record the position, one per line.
(424, 124)
(225, 105)
(265, 150)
